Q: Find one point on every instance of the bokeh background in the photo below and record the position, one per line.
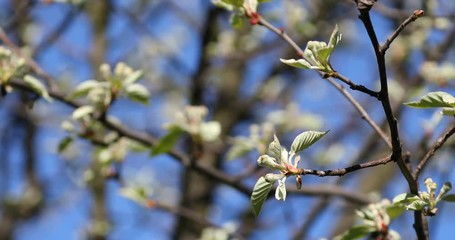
(191, 55)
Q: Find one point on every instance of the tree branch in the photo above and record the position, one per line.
(412, 18)
(438, 144)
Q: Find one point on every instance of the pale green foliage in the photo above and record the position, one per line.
(257, 140)
(260, 192)
(438, 73)
(425, 201)
(10, 65)
(190, 120)
(278, 158)
(436, 100)
(317, 54)
(119, 82)
(375, 219)
(37, 87)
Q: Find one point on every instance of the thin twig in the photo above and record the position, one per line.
(412, 18)
(343, 171)
(438, 144)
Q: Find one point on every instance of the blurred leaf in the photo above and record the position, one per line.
(449, 198)
(84, 88)
(416, 205)
(138, 93)
(448, 111)
(395, 210)
(64, 143)
(167, 142)
(300, 63)
(446, 187)
(37, 87)
(356, 232)
(133, 77)
(304, 140)
(82, 111)
(433, 100)
(236, 20)
(260, 191)
(210, 131)
(405, 198)
(237, 3)
(240, 148)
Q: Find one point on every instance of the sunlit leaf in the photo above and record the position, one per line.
(274, 149)
(434, 100)
(133, 77)
(405, 198)
(37, 87)
(260, 191)
(304, 140)
(237, 3)
(84, 88)
(82, 111)
(448, 111)
(416, 205)
(167, 142)
(138, 93)
(300, 63)
(395, 210)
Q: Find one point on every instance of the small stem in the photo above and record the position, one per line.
(413, 17)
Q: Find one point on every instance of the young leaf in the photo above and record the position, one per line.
(84, 88)
(305, 139)
(236, 20)
(260, 191)
(449, 198)
(64, 143)
(405, 198)
(167, 142)
(434, 100)
(133, 77)
(82, 111)
(237, 3)
(37, 86)
(395, 210)
(138, 93)
(448, 111)
(300, 63)
(446, 187)
(416, 205)
(274, 149)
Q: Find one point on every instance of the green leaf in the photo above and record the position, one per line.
(260, 191)
(274, 149)
(300, 63)
(237, 3)
(138, 93)
(82, 111)
(133, 77)
(210, 131)
(449, 198)
(64, 144)
(167, 142)
(37, 87)
(448, 111)
(356, 232)
(240, 148)
(434, 100)
(405, 198)
(446, 187)
(84, 88)
(236, 20)
(395, 210)
(304, 140)
(416, 205)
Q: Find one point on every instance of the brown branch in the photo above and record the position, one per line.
(343, 171)
(438, 144)
(419, 223)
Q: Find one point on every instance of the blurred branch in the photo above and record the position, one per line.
(437, 145)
